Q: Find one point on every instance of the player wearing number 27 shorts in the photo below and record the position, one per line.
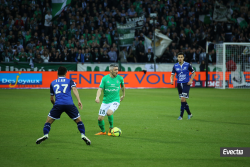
(110, 85)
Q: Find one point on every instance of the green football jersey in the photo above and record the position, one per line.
(111, 88)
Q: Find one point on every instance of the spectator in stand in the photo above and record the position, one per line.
(123, 55)
(149, 58)
(72, 55)
(202, 56)
(88, 56)
(22, 56)
(203, 66)
(52, 55)
(105, 56)
(96, 56)
(131, 55)
(57, 57)
(194, 56)
(38, 59)
(112, 55)
(80, 57)
(19, 21)
(65, 55)
(30, 57)
(140, 52)
(165, 56)
(210, 56)
(46, 57)
(48, 23)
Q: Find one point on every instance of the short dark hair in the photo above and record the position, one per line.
(180, 53)
(62, 71)
(113, 65)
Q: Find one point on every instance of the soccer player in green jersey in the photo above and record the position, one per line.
(110, 85)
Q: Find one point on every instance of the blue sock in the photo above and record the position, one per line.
(81, 127)
(182, 108)
(46, 128)
(187, 108)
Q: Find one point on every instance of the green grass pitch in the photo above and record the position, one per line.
(151, 134)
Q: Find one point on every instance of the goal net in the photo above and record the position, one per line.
(233, 65)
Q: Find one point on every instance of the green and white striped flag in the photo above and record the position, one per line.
(205, 19)
(125, 28)
(58, 6)
(126, 33)
(242, 22)
(126, 39)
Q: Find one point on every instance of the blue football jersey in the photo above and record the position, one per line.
(182, 72)
(61, 88)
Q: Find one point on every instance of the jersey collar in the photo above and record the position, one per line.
(182, 63)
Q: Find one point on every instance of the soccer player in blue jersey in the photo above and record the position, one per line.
(61, 88)
(182, 70)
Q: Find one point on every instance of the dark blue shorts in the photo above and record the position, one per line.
(70, 110)
(183, 90)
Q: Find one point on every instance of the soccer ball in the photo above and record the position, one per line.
(116, 132)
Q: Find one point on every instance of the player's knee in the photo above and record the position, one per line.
(183, 99)
(50, 120)
(100, 118)
(109, 112)
(78, 119)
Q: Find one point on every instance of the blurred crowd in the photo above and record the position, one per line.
(86, 30)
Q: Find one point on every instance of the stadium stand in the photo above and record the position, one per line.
(88, 28)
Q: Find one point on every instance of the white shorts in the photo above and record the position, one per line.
(105, 107)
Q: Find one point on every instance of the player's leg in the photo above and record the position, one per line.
(180, 88)
(111, 120)
(102, 112)
(47, 125)
(54, 114)
(113, 107)
(101, 124)
(185, 94)
(74, 114)
(81, 129)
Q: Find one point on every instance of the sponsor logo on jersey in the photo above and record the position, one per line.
(181, 77)
(111, 90)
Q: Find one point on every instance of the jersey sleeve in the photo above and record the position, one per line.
(72, 84)
(173, 71)
(51, 90)
(102, 84)
(190, 68)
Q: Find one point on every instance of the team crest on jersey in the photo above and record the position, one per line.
(184, 68)
(107, 81)
(177, 69)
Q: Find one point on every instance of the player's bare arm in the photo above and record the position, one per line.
(98, 94)
(52, 99)
(75, 91)
(123, 92)
(172, 79)
(191, 80)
